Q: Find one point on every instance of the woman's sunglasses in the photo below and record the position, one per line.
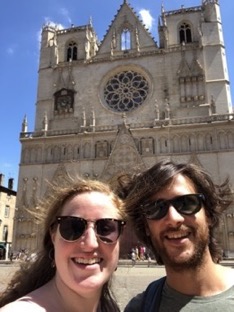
(107, 230)
(185, 205)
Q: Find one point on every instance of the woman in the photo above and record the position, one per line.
(80, 252)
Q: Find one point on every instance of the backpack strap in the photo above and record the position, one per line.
(152, 296)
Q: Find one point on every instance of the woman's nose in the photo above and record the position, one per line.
(89, 239)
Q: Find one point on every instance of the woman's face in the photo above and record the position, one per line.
(86, 265)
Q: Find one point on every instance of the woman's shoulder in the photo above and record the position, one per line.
(39, 300)
(23, 304)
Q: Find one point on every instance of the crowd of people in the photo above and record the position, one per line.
(175, 210)
(140, 253)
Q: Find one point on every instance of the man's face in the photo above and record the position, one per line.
(181, 240)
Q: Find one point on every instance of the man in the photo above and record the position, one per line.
(175, 210)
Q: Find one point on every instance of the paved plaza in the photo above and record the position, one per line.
(128, 280)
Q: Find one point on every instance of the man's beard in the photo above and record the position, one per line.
(195, 260)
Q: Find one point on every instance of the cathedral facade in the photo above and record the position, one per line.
(127, 102)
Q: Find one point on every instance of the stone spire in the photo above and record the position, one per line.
(25, 124)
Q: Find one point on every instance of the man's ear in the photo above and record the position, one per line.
(147, 231)
(210, 221)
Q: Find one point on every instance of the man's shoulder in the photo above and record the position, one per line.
(135, 303)
(146, 299)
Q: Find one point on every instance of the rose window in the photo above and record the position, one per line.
(126, 91)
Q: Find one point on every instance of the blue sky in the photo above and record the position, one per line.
(20, 25)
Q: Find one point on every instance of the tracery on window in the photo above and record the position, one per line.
(101, 149)
(72, 51)
(125, 39)
(147, 146)
(126, 91)
(5, 233)
(64, 101)
(185, 33)
(7, 211)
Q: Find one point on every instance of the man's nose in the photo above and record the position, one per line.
(173, 216)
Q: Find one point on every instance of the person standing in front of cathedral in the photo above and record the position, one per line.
(80, 252)
(175, 210)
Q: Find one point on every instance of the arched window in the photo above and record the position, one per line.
(125, 39)
(185, 33)
(72, 51)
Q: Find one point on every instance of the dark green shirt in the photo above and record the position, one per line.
(174, 301)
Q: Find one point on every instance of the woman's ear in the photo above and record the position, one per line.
(52, 234)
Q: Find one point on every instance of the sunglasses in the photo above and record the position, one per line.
(107, 230)
(185, 205)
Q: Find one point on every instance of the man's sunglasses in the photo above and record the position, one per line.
(185, 205)
(107, 230)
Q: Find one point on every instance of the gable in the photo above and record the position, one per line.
(126, 22)
(124, 156)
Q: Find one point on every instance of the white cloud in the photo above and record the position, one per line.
(147, 18)
(10, 51)
(64, 12)
(49, 22)
(7, 165)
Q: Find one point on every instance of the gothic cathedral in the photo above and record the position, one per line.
(125, 103)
